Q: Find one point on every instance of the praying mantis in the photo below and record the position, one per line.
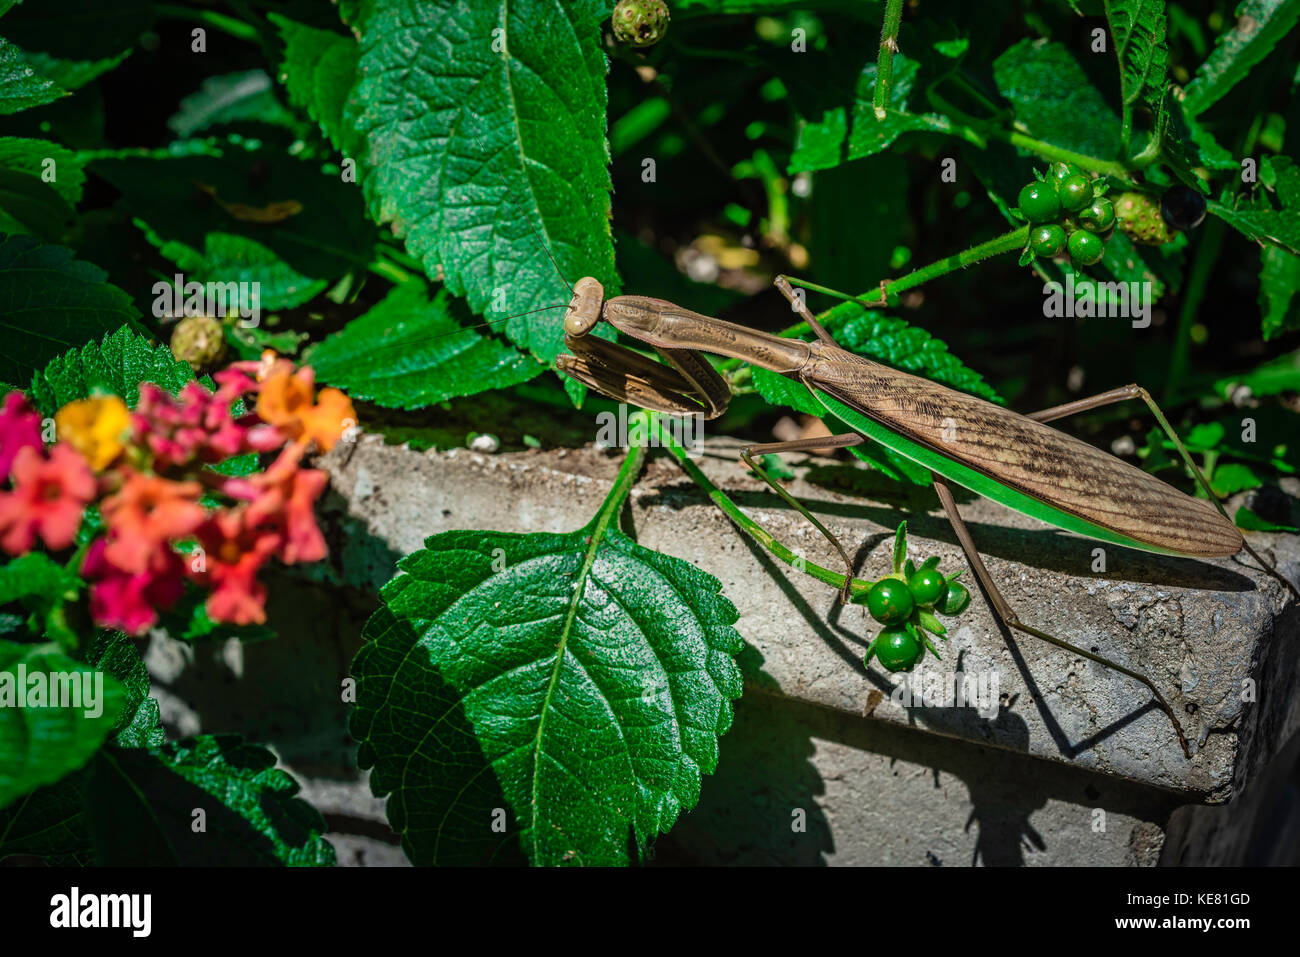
(1017, 460)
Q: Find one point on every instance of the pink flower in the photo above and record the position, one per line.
(128, 601)
(145, 515)
(48, 499)
(287, 498)
(20, 428)
(199, 425)
(234, 551)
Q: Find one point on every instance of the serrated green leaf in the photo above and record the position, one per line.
(140, 723)
(29, 200)
(72, 74)
(1261, 24)
(292, 260)
(486, 147)
(50, 301)
(319, 69)
(39, 742)
(35, 577)
(1054, 99)
(1138, 28)
(141, 804)
(408, 352)
(1258, 217)
(35, 157)
(1279, 278)
(853, 132)
(21, 86)
(582, 686)
(244, 97)
(117, 365)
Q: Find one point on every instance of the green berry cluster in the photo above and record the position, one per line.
(1068, 212)
(905, 602)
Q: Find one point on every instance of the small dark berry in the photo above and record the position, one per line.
(1182, 207)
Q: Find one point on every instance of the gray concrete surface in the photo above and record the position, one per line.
(1074, 767)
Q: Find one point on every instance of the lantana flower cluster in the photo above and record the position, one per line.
(168, 517)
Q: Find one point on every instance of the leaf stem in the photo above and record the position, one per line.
(218, 21)
(1206, 255)
(640, 423)
(748, 525)
(885, 61)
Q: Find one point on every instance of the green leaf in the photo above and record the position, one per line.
(590, 675)
(1272, 378)
(1138, 28)
(20, 85)
(247, 96)
(486, 148)
(848, 133)
(927, 621)
(1279, 278)
(407, 353)
(1257, 217)
(48, 822)
(1054, 100)
(141, 805)
(30, 156)
(293, 260)
(1233, 477)
(41, 742)
(318, 71)
(73, 74)
(35, 576)
(1261, 24)
(140, 723)
(116, 365)
(49, 302)
(1252, 521)
(900, 547)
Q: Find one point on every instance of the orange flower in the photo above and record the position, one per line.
(234, 552)
(95, 428)
(48, 498)
(145, 515)
(286, 498)
(285, 401)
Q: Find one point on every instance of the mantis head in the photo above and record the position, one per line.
(584, 308)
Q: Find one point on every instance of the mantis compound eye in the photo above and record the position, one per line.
(584, 308)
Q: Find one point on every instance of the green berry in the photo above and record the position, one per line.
(1085, 248)
(890, 601)
(640, 23)
(1099, 216)
(1047, 240)
(1039, 204)
(1075, 192)
(928, 586)
(898, 649)
(1060, 171)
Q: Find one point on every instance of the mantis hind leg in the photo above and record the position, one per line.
(1135, 391)
(821, 443)
(1009, 618)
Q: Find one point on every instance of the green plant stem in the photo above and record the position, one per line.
(217, 21)
(1206, 255)
(748, 525)
(885, 60)
(641, 421)
(1007, 242)
(390, 271)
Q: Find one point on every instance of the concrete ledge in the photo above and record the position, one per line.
(1197, 628)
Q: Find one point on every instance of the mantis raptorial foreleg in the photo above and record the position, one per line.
(1009, 618)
